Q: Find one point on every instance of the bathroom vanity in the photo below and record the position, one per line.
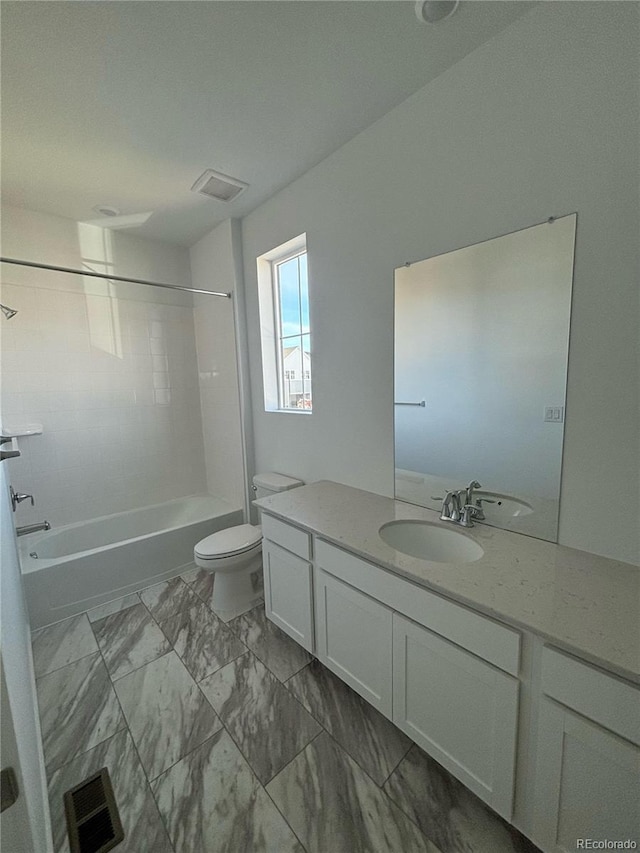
(519, 671)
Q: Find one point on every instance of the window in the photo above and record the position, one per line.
(285, 329)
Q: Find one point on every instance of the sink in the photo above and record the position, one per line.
(430, 542)
(505, 506)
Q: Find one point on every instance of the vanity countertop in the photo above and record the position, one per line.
(586, 604)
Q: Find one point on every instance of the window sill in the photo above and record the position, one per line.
(289, 411)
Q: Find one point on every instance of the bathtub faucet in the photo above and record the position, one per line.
(33, 528)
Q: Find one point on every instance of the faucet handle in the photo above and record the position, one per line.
(445, 512)
(17, 498)
(469, 512)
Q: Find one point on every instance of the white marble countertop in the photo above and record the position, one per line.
(583, 603)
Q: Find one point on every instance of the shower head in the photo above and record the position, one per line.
(8, 312)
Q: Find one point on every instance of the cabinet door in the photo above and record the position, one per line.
(587, 782)
(458, 708)
(354, 639)
(288, 598)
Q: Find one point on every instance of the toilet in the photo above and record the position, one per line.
(235, 554)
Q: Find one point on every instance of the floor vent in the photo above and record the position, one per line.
(93, 821)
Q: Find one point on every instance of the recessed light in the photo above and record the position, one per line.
(106, 210)
(434, 11)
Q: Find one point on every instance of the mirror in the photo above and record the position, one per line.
(481, 346)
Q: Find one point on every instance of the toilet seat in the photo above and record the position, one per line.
(240, 539)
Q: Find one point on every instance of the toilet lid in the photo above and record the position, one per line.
(233, 540)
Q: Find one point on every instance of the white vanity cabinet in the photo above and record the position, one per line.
(587, 782)
(446, 675)
(354, 639)
(547, 739)
(458, 708)
(288, 583)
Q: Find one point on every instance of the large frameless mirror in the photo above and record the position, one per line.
(481, 346)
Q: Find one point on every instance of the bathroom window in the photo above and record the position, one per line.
(283, 288)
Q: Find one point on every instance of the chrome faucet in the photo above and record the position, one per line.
(462, 506)
(451, 506)
(17, 498)
(468, 495)
(32, 528)
(454, 510)
(478, 510)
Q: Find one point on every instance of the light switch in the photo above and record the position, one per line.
(554, 414)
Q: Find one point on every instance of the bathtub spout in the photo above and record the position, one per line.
(33, 528)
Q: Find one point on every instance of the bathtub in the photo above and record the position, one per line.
(70, 569)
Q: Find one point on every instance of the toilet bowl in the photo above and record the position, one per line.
(235, 554)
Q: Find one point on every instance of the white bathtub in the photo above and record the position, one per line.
(70, 569)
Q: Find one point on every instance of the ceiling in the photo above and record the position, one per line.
(126, 103)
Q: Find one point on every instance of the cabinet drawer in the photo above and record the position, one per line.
(287, 536)
(606, 700)
(490, 640)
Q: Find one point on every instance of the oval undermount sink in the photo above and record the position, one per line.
(503, 506)
(430, 542)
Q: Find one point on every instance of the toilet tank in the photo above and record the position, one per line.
(271, 483)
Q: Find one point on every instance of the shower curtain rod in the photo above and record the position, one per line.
(111, 277)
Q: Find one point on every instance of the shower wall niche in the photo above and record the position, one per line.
(110, 370)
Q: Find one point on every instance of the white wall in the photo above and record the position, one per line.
(213, 267)
(22, 714)
(110, 371)
(540, 121)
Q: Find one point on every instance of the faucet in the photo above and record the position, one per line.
(468, 492)
(32, 528)
(17, 498)
(454, 510)
(451, 506)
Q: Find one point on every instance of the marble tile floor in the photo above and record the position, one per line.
(222, 735)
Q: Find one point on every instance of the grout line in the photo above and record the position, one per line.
(261, 656)
(69, 663)
(106, 616)
(344, 748)
(135, 669)
(276, 806)
(293, 675)
(177, 612)
(49, 771)
(142, 767)
(137, 751)
(187, 754)
(250, 652)
(222, 666)
(395, 766)
(142, 665)
(217, 669)
(298, 753)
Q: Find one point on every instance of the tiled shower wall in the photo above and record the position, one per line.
(114, 381)
(212, 268)
(109, 369)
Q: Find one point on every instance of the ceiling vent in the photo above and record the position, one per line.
(218, 186)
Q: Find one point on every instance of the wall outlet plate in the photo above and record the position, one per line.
(554, 414)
